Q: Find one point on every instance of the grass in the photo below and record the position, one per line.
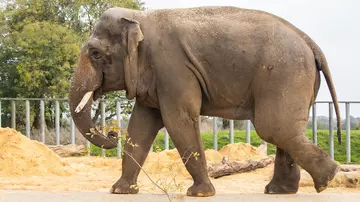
(239, 136)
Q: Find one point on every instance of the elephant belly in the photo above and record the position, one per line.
(235, 112)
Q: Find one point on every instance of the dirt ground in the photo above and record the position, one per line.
(98, 174)
(30, 165)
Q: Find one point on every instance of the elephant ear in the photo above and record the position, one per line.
(134, 36)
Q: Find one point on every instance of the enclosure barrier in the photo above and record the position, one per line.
(166, 135)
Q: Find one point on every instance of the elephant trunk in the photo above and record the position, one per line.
(87, 80)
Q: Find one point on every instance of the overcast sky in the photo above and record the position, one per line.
(333, 24)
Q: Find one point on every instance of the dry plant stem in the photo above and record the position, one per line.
(167, 194)
(188, 158)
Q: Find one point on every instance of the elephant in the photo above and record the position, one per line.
(223, 61)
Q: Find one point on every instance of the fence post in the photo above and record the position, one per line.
(13, 114)
(231, 127)
(27, 112)
(265, 146)
(72, 131)
(88, 148)
(248, 131)
(0, 114)
(215, 138)
(348, 135)
(102, 105)
(166, 138)
(331, 133)
(57, 122)
(42, 120)
(118, 116)
(314, 124)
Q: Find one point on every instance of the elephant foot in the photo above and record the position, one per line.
(201, 190)
(123, 187)
(322, 182)
(276, 187)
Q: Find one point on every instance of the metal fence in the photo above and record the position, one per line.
(13, 102)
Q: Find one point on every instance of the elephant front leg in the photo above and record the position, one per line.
(181, 112)
(184, 132)
(143, 126)
(286, 175)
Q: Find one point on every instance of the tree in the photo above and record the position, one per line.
(40, 41)
(91, 10)
(41, 58)
(353, 123)
(238, 124)
(46, 55)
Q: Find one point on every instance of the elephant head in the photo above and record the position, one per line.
(108, 62)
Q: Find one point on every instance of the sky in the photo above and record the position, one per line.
(333, 24)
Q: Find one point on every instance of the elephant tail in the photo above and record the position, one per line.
(322, 65)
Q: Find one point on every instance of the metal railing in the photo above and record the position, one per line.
(166, 135)
(331, 133)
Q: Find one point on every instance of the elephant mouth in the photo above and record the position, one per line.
(98, 93)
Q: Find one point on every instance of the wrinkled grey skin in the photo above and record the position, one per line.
(216, 61)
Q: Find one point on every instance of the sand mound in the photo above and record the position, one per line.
(20, 156)
(241, 152)
(170, 161)
(213, 157)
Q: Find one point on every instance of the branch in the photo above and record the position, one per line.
(228, 168)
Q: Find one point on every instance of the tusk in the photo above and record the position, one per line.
(83, 102)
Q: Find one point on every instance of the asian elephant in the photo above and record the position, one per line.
(227, 62)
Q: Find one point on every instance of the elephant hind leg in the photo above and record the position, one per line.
(286, 175)
(284, 127)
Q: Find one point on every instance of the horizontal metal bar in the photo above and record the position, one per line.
(327, 102)
(54, 99)
(35, 99)
(124, 98)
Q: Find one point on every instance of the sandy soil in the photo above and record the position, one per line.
(98, 174)
(30, 165)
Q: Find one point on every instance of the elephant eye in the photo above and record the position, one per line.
(95, 54)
